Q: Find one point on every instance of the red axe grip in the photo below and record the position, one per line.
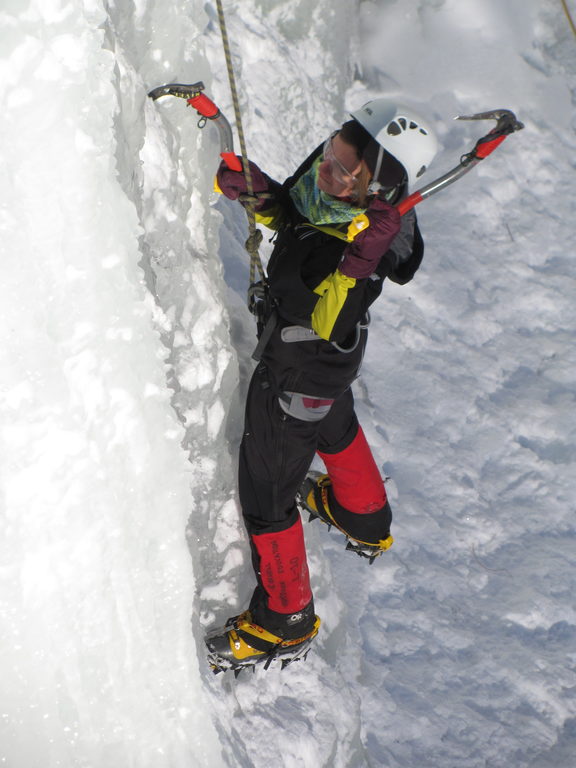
(409, 203)
(204, 105)
(484, 148)
(232, 161)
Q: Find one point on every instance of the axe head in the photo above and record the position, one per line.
(506, 119)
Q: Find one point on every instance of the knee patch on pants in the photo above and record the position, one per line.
(305, 407)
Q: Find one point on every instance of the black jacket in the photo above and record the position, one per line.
(305, 258)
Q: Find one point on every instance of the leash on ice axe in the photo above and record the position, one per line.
(505, 125)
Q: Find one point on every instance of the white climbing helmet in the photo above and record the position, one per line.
(400, 131)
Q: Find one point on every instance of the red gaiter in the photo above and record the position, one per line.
(356, 481)
(284, 568)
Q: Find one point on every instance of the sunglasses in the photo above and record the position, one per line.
(338, 171)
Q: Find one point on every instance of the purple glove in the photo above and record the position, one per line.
(363, 255)
(233, 183)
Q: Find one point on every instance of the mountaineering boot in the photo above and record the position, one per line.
(280, 622)
(368, 534)
(243, 643)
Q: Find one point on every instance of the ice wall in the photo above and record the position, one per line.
(98, 664)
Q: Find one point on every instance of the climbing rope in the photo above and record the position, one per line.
(254, 234)
(569, 16)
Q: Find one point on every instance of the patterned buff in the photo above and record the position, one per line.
(317, 206)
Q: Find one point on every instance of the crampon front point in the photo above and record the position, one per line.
(241, 644)
(313, 499)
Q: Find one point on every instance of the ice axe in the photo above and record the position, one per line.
(205, 107)
(505, 125)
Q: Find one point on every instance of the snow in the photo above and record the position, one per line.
(125, 354)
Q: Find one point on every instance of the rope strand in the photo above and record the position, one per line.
(254, 236)
(569, 16)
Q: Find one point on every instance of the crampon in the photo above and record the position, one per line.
(241, 644)
(313, 499)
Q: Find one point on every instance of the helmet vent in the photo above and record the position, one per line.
(395, 127)
(402, 133)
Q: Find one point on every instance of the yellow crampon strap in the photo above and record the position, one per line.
(241, 647)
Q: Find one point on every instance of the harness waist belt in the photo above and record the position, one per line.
(298, 333)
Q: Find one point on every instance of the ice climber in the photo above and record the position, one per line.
(338, 237)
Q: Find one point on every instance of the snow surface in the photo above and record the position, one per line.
(125, 354)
